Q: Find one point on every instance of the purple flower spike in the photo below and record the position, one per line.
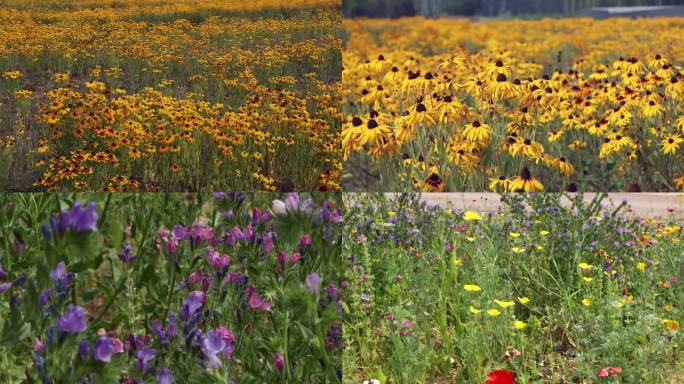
(255, 302)
(279, 361)
(144, 355)
(164, 376)
(292, 202)
(83, 349)
(72, 321)
(44, 297)
(58, 273)
(127, 255)
(106, 347)
(192, 304)
(268, 242)
(313, 283)
(212, 345)
(79, 219)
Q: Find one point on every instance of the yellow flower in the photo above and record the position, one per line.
(504, 304)
(523, 300)
(586, 302)
(493, 312)
(584, 266)
(587, 278)
(641, 266)
(474, 310)
(13, 75)
(470, 238)
(518, 250)
(672, 325)
(471, 216)
(519, 324)
(514, 234)
(472, 288)
(456, 261)
(543, 233)
(23, 94)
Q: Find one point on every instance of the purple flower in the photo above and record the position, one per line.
(164, 376)
(44, 297)
(5, 286)
(83, 349)
(218, 262)
(279, 361)
(72, 321)
(292, 202)
(217, 341)
(38, 346)
(79, 219)
(127, 254)
(3, 275)
(268, 242)
(144, 355)
(313, 283)
(192, 303)
(106, 347)
(58, 273)
(261, 217)
(255, 302)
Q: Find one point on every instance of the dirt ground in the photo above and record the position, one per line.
(664, 205)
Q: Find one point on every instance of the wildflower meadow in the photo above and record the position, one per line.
(133, 95)
(170, 288)
(536, 292)
(465, 104)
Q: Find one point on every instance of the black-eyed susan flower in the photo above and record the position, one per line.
(525, 183)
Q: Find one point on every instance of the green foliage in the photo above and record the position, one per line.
(122, 299)
(412, 321)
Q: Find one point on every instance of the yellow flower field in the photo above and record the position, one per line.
(517, 105)
(170, 95)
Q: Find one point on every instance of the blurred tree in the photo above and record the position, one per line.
(491, 8)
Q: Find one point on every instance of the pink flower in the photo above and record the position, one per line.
(294, 257)
(608, 371)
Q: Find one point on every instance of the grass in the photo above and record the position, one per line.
(436, 298)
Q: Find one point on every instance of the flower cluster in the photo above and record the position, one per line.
(515, 105)
(253, 294)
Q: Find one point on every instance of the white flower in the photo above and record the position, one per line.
(278, 207)
(371, 381)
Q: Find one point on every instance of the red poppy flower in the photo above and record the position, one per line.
(501, 376)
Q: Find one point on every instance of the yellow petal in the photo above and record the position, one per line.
(519, 324)
(504, 304)
(493, 312)
(472, 287)
(471, 216)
